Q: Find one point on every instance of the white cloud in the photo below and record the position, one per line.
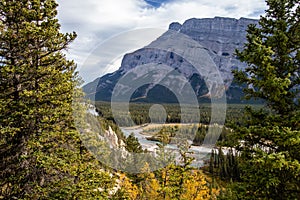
(98, 20)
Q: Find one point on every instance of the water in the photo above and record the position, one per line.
(200, 153)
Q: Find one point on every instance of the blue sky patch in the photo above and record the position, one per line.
(156, 3)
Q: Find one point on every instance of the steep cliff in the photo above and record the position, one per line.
(218, 37)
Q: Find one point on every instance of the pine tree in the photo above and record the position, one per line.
(269, 157)
(41, 155)
(133, 145)
(272, 55)
(211, 162)
(200, 135)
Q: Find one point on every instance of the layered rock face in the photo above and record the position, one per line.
(209, 40)
(221, 36)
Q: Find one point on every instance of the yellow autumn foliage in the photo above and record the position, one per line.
(196, 187)
(150, 186)
(169, 184)
(130, 189)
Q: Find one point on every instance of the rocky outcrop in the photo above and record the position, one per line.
(112, 139)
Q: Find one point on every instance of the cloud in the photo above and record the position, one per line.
(106, 56)
(95, 21)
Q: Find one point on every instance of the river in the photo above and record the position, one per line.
(200, 153)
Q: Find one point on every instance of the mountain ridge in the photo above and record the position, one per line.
(219, 36)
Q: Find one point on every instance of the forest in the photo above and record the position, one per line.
(139, 113)
(44, 155)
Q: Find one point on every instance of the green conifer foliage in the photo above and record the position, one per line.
(270, 163)
(41, 155)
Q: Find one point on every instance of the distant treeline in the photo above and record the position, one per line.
(139, 113)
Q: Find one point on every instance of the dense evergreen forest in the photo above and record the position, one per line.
(139, 113)
(42, 155)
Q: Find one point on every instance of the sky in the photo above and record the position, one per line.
(107, 29)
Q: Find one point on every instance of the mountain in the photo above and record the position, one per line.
(199, 50)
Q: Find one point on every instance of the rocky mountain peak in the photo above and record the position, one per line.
(218, 36)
